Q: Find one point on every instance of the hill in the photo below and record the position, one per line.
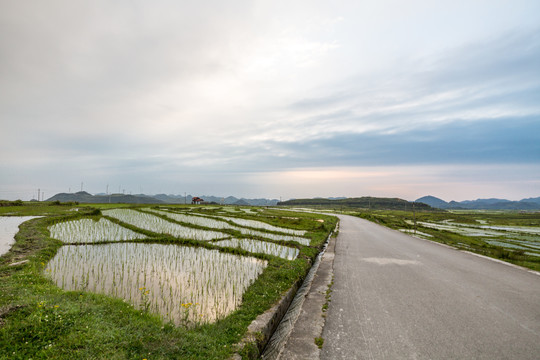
(482, 204)
(433, 202)
(86, 198)
(366, 202)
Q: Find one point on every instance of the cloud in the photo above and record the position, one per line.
(130, 89)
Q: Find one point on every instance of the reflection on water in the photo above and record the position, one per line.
(158, 225)
(88, 230)
(256, 246)
(211, 222)
(9, 226)
(183, 284)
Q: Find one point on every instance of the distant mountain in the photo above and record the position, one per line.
(531, 200)
(483, 204)
(174, 199)
(84, 197)
(433, 202)
(362, 202)
(231, 200)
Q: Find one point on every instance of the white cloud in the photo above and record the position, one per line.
(167, 87)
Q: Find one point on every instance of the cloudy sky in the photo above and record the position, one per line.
(271, 98)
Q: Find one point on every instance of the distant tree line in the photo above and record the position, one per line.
(365, 202)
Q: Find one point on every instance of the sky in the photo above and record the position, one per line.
(273, 99)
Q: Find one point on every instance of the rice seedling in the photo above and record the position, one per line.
(88, 230)
(276, 237)
(156, 224)
(256, 246)
(195, 220)
(212, 222)
(184, 285)
(263, 225)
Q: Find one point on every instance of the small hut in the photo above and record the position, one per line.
(197, 200)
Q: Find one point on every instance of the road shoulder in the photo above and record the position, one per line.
(310, 323)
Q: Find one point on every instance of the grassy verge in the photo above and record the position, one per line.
(477, 244)
(38, 320)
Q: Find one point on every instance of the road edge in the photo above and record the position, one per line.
(305, 340)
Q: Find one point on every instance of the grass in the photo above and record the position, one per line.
(38, 320)
(477, 244)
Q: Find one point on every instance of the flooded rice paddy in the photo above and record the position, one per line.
(220, 222)
(264, 226)
(184, 285)
(88, 230)
(158, 225)
(9, 226)
(526, 238)
(256, 246)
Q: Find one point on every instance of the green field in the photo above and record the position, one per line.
(41, 320)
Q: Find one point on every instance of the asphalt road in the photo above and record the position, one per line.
(399, 297)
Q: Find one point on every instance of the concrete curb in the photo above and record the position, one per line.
(310, 324)
(262, 328)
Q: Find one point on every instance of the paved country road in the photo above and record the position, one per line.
(399, 297)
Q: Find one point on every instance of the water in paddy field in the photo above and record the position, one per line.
(158, 225)
(256, 246)
(88, 230)
(185, 285)
(509, 237)
(9, 226)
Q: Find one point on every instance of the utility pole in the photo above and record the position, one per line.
(38, 192)
(414, 217)
(185, 198)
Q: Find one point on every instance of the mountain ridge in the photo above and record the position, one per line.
(482, 204)
(85, 197)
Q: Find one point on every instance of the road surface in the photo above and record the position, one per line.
(399, 297)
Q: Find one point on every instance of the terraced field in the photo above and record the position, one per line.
(148, 282)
